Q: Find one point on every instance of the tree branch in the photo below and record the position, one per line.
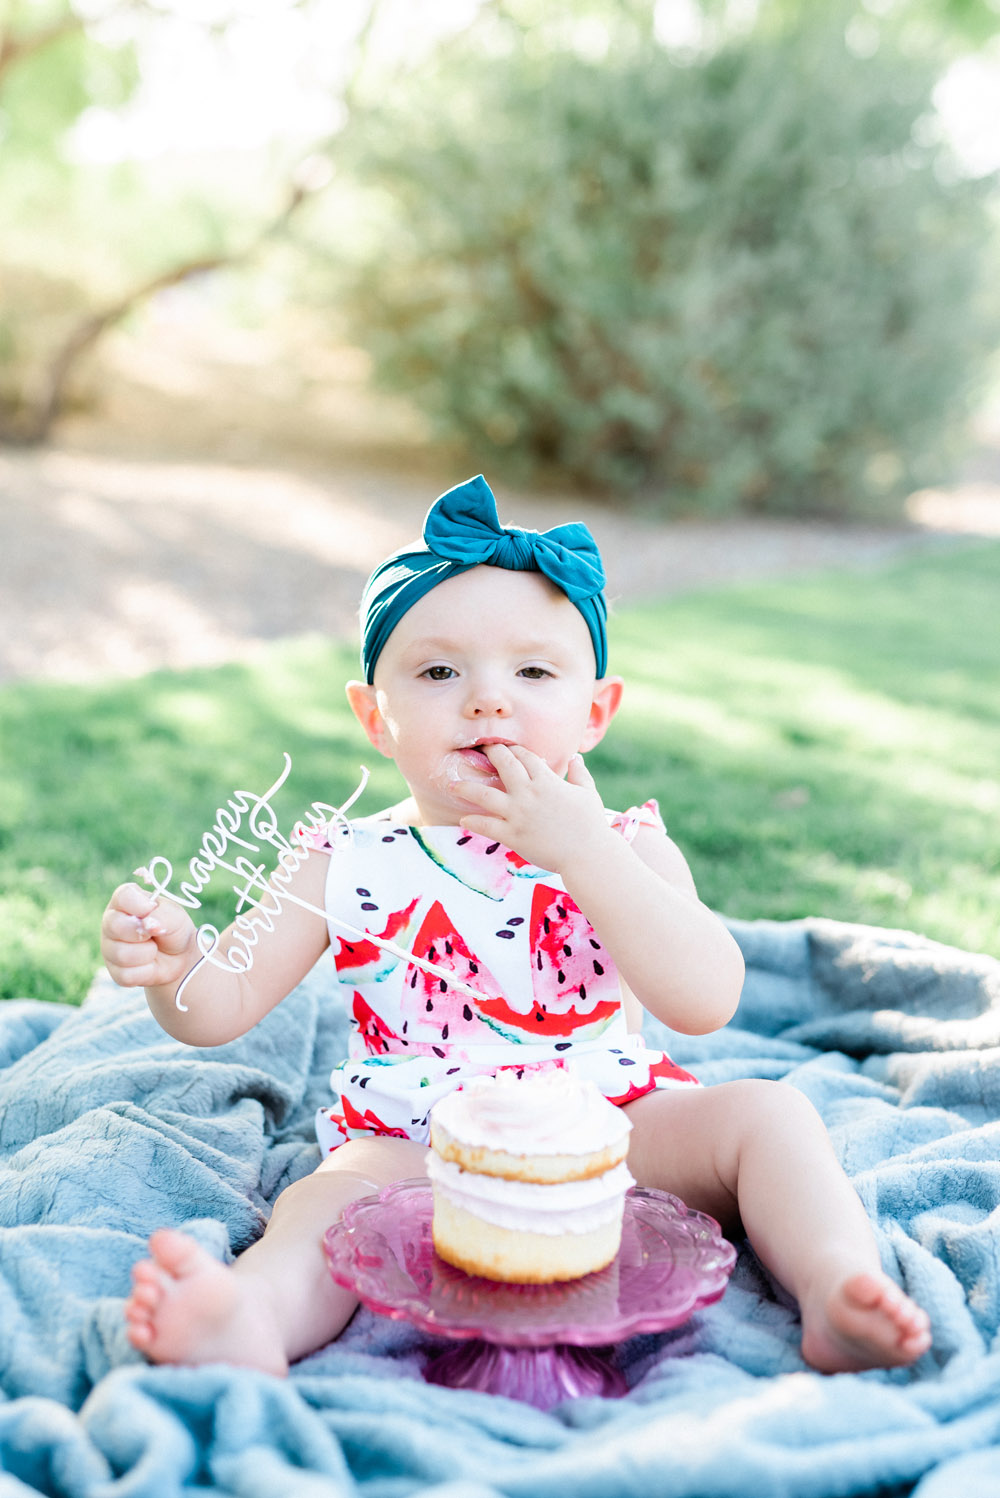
(33, 425)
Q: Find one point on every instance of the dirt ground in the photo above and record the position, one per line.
(214, 505)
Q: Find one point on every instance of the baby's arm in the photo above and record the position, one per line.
(675, 955)
(152, 944)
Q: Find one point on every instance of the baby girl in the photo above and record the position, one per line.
(511, 920)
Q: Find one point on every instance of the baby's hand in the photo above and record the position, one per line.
(551, 822)
(146, 943)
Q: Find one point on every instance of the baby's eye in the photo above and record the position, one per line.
(438, 673)
(534, 673)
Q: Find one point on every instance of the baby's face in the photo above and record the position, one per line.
(488, 656)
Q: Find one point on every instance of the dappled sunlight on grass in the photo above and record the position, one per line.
(809, 761)
(827, 747)
(702, 717)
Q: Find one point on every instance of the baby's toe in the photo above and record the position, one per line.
(145, 1272)
(145, 1297)
(175, 1253)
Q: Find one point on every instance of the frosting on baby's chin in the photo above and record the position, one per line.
(550, 1113)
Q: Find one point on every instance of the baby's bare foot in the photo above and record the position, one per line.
(864, 1322)
(186, 1307)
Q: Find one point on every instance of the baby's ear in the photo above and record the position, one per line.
(364, 706)
(607, 701)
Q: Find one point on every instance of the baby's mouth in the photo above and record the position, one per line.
(475, 756)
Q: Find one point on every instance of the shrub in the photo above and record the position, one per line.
(744, 281)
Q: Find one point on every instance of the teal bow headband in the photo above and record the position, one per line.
(461, 531)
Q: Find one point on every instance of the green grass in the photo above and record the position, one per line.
(822, 746)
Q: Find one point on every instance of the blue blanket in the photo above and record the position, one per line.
(109, 1129)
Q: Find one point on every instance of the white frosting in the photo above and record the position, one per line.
(527, 1207)
(542, 1113)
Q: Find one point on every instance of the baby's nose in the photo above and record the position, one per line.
(488, 700)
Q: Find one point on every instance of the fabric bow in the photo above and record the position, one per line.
(461, 531)
(464, 527)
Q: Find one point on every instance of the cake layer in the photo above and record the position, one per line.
(545, 1210)
(517, 1257)
(570, 1132)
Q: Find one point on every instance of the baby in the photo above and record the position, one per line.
(513, 922)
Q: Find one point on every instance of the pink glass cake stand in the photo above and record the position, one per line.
(538, 1343)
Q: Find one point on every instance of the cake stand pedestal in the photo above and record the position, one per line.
(538, 1343)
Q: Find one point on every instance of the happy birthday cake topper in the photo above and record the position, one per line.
(248, 822)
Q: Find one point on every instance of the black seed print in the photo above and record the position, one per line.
(614, 1051)
(429, 1006)
(562, 912)
(466, 1012)
(401, 831)
(368, 905)
(364, 1081)
(432, 953)
(546, 924)
(625, 1061)
(413, 980)
(563, 1045)
(560, 976)
(598, 969)
(539, 1019)
(442, 985)
(449, 949)
(438, 1051)
(406, 1023)
(567, 950)
(365, 892)
(473, 968)
(507, 935)
(355, 1077)
(516, 920)
(444, 1032)
(463, 840)
(583, 991)
(538, 961)
(492, 847)
(389, 838)
(452, 1070)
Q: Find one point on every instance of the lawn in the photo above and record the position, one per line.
(820, 746)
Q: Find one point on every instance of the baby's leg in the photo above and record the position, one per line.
(278, 1302)
(758, 1152)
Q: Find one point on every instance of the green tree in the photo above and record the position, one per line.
(749, 278)
(82, 257)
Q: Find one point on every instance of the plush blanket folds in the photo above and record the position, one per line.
(108, 1129)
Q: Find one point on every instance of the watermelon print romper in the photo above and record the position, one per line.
(547, 992)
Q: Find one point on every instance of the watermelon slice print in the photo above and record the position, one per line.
(379, 1039)
(574, 981)
(367, 1122)
(670, 1072)
(359, 961)
(431, 1001)
(486, 867)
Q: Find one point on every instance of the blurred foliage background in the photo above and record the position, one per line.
(702, 257)
(715, 256)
